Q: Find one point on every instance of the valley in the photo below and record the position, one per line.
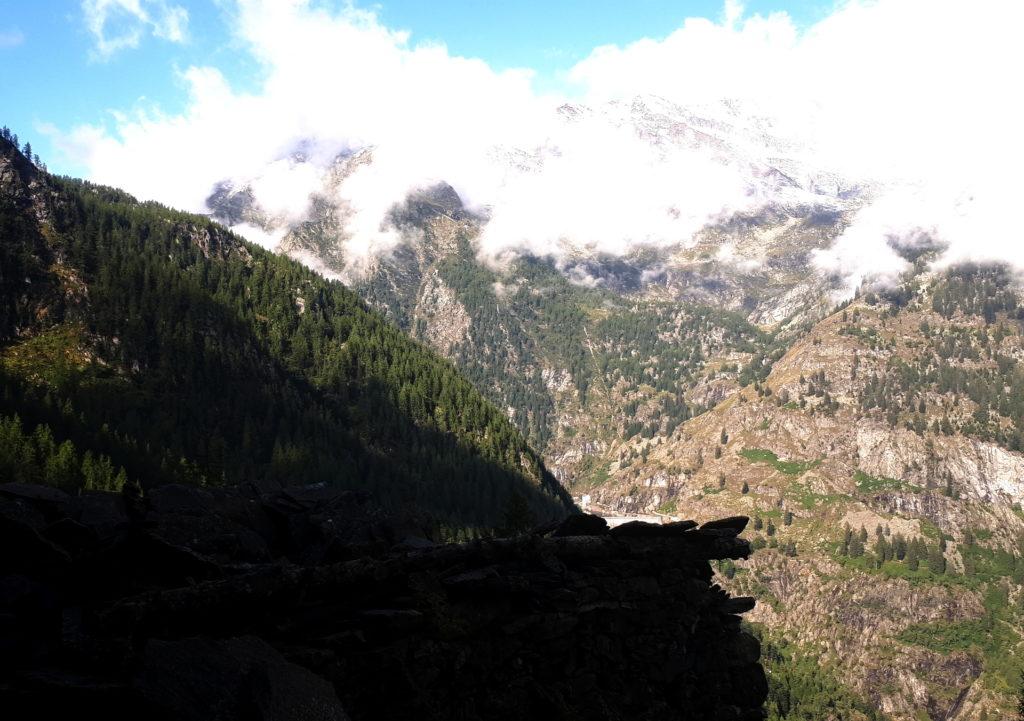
(876, 442)
(578, 361)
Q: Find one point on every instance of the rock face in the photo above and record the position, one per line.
(805, 454)
(560, 333)
(444, 321)
(150, 610)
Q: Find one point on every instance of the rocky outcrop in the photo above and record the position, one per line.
(445, 322)
(196, 604)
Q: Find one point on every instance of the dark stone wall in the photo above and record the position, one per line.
(293, 605)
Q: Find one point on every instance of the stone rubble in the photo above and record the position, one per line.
(312, 604)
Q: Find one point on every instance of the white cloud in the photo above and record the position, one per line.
(119, 24)
(504, 290)
(11, 38)
(605, 190)
(918, 96)
(256, 234)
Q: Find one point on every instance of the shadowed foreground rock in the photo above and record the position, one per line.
(305, 604)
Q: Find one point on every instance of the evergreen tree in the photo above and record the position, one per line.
(912, 556)
(856, 547)
(218, 362)
(517, 517)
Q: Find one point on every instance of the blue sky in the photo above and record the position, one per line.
(51, 73)
(550, 36)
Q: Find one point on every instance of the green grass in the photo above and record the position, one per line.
(858, 332)
(898, 569)
(593, 475)
(945, 637)
(873, 484)
(801, 687)
(929, 529)
(790, 468)
(991, 638)
(668, 507)
(988, 564)
(808, 499)
(52, 357)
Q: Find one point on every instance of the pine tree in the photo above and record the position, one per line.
(899, 547)
(332, 394)
(912, 556)
(517, 517)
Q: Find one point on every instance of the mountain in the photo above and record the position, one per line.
(877, 444)
(880, 459)
(143, 345)
(563, 342)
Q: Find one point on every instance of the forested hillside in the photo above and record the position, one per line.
(141, 344)
(578, 367)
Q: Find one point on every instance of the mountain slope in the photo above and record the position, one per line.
(161, 343)
(880, 459)
(563, 341)
(707, 375)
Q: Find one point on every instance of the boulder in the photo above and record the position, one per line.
(642, 529)
(25, 550)
(43, 495)
(733, 524)
(199, 679)
(582, 524)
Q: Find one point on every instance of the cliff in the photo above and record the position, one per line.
(308, 604)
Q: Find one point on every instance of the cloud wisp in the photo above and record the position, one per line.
(120, 24)
(914, 97)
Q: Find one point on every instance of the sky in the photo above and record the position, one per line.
(167, 97)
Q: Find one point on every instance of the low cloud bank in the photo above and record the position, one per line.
(916, 99)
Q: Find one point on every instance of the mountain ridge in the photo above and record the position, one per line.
(897, 410)
(152, 312)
